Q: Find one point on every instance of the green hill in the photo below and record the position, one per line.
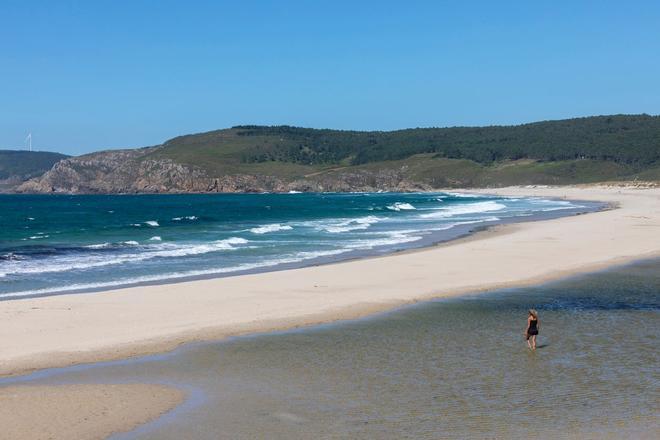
(565, 151)
(283, 158)
(23, 165)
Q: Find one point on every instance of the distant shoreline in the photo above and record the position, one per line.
(70, 329)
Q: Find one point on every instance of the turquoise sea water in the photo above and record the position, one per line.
(57, 243)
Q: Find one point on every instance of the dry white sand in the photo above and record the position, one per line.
(61, 330)
(80, 411)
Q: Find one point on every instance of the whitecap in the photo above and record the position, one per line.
(89, 261)
(264, 229)
(401, 206)
(156, 238)
(468, 208)
(295, 258)
(176, 250)
(307, 255)
(152, 223)
(464, 195)
(349, 225)
(98, 246)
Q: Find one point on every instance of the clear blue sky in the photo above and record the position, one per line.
(83, 76)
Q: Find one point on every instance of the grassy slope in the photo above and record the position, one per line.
(441, 172)
(26, 164)
(224, 152)
(220, 153)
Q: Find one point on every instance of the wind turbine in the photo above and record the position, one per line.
(28, 141)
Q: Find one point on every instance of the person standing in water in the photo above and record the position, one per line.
(532, 329)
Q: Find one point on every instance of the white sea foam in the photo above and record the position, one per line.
(111, 245)
(288, 259)
(99, 246)
(392, 238)
(553, 205)
(152, 223)
(464, 196)
(264, 229)
(468, 208)
(89, 261)
(37, 237)
(30, 218)
(355, 224)
(188, 217)
(168, 250)
(295, 192)
(65, 264)
(558, 208)
(401, 206)
(156, 238)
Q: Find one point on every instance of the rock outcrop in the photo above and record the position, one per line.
(138, 171)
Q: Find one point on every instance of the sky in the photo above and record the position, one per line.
(90, 75)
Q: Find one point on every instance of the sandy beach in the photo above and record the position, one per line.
(67, 329)
(76, 328)
(80, 411)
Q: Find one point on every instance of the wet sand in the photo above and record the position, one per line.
(452, 368)
(68, 329)
(80, 411)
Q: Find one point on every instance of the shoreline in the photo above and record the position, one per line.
(119, 323)
(436, 239)
(82, 410)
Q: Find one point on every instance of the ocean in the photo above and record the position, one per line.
(52, 244)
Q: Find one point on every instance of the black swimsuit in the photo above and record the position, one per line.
(533, 330)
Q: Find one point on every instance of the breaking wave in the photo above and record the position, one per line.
(400, 206)
(349, 225)
(83, 261)
(469, 208)
(264, 229)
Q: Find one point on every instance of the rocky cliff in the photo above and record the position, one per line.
(139, 171)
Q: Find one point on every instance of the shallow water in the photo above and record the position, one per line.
(444, 369)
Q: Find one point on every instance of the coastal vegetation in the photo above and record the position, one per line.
(551, 152)
(282, 158)
(17, 166)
